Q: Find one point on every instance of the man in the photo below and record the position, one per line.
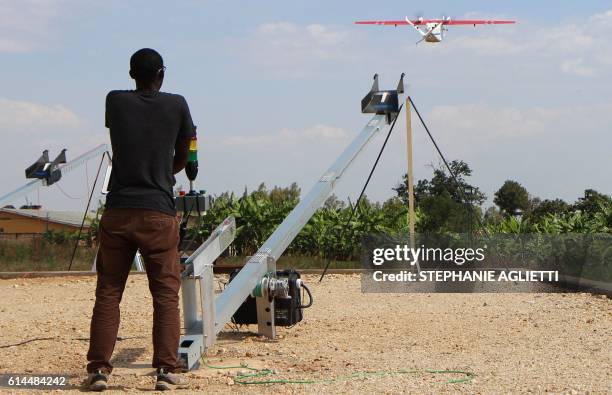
(150, 133)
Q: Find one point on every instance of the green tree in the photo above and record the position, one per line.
(279, 195)
(547, 207)
(441, 182)
(442, 214)
(592, 202)
(395, 214)
(492, 216)
(512, 198)
(445, 203)
(333, 203)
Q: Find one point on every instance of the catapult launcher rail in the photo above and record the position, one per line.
(205, 314)
(48, 172)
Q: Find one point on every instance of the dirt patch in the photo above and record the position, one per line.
(512, 342)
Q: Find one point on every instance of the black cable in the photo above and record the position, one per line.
(66, 194)
(185, 222)
(459, 186)
(310, 298)
(37, 339)
(356, 206)
(93, 188)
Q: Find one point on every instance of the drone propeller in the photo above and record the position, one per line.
(447, 20)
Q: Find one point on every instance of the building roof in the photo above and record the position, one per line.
(72, 218)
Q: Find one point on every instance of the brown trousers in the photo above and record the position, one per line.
(155, 234)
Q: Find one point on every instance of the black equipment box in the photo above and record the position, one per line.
(193, 203)
(287, 311)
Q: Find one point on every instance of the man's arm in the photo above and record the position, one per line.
(181, 151)
(181, 147)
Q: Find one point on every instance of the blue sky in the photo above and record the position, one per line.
(274, 87)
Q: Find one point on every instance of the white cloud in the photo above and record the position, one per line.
(296, 50)
(603, 18)
(485, 123)
(26, 129)
(577, 67)
(581, 50)
(291, 137)
(286, 49)
(311, 40)
(529, 39)
(326, 132)
(10, 45)
(25, 25)
(33, 119)
(488, 44)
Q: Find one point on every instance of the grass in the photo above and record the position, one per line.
(40, 255)
(297, 262)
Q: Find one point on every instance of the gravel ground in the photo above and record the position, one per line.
(513, 343)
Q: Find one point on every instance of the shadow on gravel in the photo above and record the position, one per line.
(126, 357)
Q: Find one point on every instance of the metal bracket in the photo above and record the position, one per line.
(219, 240)
(265, 305)
(383, 102)
(198, 290)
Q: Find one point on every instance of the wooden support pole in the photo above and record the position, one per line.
(410, 179)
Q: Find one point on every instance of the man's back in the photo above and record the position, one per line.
(150, 133)
(144, 128)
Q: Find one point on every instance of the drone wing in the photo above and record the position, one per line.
(477, 22)
(387, 23)
(445, 22)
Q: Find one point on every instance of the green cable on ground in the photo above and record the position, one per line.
(468, 375)
(247, 378)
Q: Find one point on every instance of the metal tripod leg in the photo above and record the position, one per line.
(138, 261)
(95, 260)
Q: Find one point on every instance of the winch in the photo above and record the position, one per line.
(284, 289)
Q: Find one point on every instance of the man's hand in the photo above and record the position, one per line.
(181, 151)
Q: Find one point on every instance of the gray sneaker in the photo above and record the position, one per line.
(170, 381)
(97, 381)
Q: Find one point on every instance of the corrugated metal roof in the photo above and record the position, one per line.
(72, 218)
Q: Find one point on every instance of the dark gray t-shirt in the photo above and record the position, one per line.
(144, 128)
